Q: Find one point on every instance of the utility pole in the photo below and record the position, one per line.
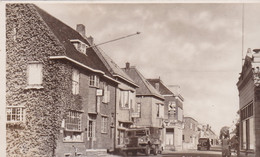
(137, 33)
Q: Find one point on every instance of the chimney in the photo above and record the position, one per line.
(127, 65)
(157, 85)
(91, 40)
(81, 30)
(256, 55)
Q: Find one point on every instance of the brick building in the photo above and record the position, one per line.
(60, 97)
(173, 115)
(190, 133)
(149, 102)
(125, 98)
(249, 100)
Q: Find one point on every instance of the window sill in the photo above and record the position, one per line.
(93, 86)
(34, 87)
(104, 133)
(73, 141)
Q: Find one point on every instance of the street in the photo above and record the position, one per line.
(187, 153)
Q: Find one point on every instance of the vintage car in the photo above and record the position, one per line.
(204, 143)
(143, 140)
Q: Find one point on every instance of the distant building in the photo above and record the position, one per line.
(190, 133)
(173, 114)
(205, 131)
(249, 109)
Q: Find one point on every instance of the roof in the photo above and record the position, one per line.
(145, 88)
(162, 88)
(64, 34)
(112, 66)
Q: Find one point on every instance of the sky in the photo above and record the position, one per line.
(197, 46)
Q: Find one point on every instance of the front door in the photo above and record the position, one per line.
(169, 138)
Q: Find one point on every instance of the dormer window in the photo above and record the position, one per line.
(79, 45)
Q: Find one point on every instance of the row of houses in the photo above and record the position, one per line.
(65, 96)
(193, 130)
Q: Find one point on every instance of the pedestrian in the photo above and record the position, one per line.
(226, 146)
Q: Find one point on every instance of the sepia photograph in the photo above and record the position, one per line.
(148, 78)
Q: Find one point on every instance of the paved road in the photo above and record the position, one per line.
(189, 153)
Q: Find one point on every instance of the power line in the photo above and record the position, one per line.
(114, 40)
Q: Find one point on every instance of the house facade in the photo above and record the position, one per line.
(190, 133)
(249, 110)
(60, 97)
(173, 115)
(149, 106)
(125, 98)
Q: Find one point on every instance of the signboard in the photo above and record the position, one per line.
(99, 92)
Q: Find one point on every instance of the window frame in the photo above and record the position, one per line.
(75, 116)
(75, 81)
(21, 115)
(31, 74)
(94, 81)
(104, 124)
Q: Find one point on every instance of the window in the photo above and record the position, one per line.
(75, 81)
(94, 81)
(191, 126)
(73, 131)
(34, 74)
(124, 99)
(160, 110)
(139, 109)
(180, 114)
(106, 97)
(79, 45)
(15, 114)
(104, 125)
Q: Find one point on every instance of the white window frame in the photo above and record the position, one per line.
(73, 134)
(75, 81)
(94, 81)
(79, 45)
(16, 114)
(138, 108)
(34, 74)
(106, 96)
(125, 99)
(104, 124)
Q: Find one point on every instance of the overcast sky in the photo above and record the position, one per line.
(197, 46)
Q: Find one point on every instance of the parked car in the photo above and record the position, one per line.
(143, 140)
(203, 143)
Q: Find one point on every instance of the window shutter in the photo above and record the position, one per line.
(35, 74)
